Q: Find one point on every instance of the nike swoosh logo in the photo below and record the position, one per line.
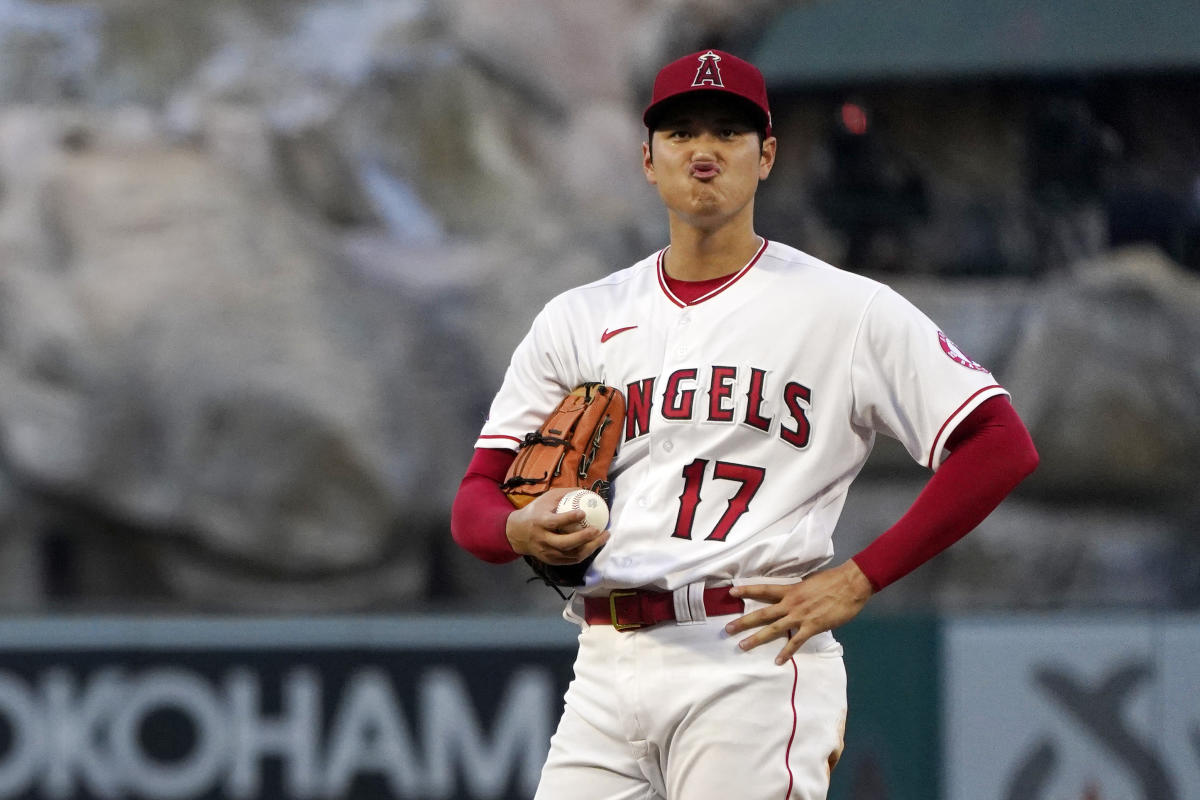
(604, 337)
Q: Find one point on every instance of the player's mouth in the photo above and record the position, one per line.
(704, 170)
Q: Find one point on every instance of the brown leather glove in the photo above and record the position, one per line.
(574, 448)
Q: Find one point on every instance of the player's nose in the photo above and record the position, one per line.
(704, 148)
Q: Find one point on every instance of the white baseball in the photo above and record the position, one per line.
(592, 505)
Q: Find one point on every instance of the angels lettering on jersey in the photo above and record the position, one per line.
(712, 395)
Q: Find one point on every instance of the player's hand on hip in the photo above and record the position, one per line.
(801, 610)
(538, 530)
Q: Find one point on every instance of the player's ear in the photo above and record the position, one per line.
(648, 164)
(766, 159)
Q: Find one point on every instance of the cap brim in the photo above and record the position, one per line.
(655, 111)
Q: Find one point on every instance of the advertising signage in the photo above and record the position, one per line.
(249, 710)
(1000, 707)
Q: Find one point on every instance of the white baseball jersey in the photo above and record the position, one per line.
(750, 410)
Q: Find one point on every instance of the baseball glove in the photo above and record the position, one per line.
(573, 449)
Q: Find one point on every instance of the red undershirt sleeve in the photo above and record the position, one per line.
(991, 452)
(480, 510)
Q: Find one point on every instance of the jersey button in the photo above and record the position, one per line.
(668, 446)
(682, 350)
(642, 502)
(685, 319)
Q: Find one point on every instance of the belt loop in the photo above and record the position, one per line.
(689, 604)
(575, 610)
(696, 601)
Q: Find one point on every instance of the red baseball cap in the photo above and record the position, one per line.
(711, 71)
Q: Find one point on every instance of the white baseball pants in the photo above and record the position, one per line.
(679, 712)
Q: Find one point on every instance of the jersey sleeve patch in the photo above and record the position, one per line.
(956, 355)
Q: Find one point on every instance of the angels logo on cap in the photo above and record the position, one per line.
(711, 71)
(708, 72)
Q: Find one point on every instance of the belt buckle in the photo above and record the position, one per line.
(612, 608)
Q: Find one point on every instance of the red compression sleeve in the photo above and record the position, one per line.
(991, 452)
(480, 510)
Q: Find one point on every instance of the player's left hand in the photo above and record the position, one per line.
(801, 610)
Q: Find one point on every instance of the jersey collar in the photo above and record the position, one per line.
(732, 279)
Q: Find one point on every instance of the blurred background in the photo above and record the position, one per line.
(263, 263)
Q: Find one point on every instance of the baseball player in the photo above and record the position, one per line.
(756, 378)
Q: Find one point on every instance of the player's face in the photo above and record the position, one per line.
(706, 160)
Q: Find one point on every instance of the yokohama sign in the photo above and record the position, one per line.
(310, 719)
